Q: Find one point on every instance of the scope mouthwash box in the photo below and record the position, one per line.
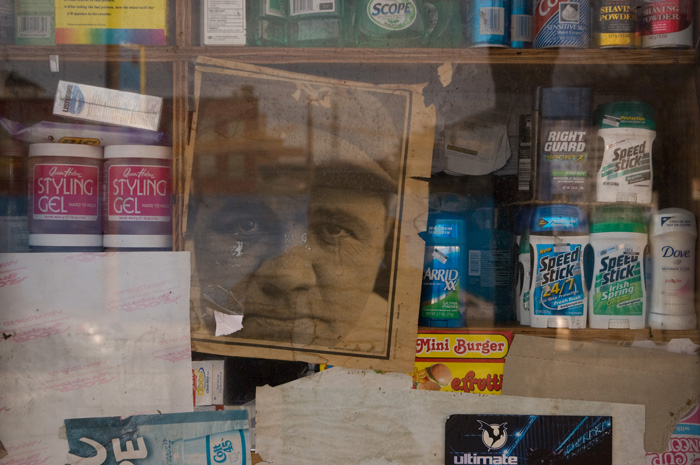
(114, 22)
(34, 22)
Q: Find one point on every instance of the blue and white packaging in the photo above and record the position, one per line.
(558, 292)
(521, 32)
(487, 23)
(490, 263)
(562, 23)
(442, 291)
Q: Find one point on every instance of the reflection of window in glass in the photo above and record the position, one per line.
(235, 164)
(206, 164)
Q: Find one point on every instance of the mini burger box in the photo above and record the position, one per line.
(461, 360)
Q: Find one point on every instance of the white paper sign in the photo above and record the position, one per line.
(85, 335)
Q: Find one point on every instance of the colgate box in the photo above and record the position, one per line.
(461, 360)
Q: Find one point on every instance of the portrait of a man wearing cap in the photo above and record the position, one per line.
(293, 215)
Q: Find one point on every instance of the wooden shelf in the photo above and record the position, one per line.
(360, 55)
(456, 56)
(588, 334)
(95, 53)
(613, 335)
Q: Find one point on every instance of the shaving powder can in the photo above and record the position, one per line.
(615, 24)
(666, 23)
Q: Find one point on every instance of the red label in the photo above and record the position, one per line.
(545, 9)
(138, 193)
(65, 192)
(666, 16)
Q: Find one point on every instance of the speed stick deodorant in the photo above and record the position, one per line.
(442, 301)
(672, 234)
(627, 131)
(617, 298)
(558, 295)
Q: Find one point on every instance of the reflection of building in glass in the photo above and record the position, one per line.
(235, 152)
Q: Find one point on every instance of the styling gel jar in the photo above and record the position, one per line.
(64, 197)
(138, 211)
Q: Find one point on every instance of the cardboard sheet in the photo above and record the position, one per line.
(307, 197)
(364, 417)
(667, 384)
(85, 335)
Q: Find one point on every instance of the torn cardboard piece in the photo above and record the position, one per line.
(364, 417)
(683, 444)
(667, 384)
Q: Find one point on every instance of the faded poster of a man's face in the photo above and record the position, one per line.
(293, 215)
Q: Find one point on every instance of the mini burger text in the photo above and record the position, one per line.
(458, 346)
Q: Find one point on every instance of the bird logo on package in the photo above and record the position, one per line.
(494, 436)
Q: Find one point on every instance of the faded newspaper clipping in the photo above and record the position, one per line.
(306, 197)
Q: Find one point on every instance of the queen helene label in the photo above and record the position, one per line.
(392, 15)
(65, 192)
(139, 193)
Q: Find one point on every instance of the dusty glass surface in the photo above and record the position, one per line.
(304, 177)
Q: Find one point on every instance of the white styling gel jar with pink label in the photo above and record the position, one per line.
(138, 204)
(65, 196)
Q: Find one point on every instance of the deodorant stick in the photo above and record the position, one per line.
(672, 234)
